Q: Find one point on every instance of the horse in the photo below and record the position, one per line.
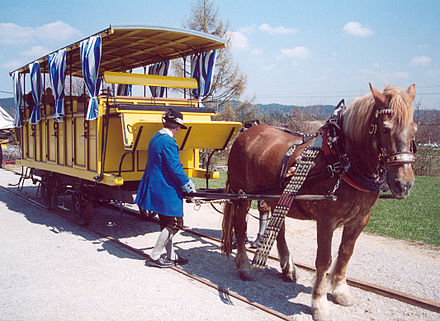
(364, 151)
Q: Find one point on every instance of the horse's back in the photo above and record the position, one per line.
(255, 157)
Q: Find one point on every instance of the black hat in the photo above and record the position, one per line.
(174, 116)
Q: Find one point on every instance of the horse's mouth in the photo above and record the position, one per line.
(399, 189)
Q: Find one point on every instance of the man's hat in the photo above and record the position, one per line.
(174, 116)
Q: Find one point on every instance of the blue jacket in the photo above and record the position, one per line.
(164, 181)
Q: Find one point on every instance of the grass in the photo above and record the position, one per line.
(417, 218)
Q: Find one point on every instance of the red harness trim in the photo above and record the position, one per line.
(346, 178)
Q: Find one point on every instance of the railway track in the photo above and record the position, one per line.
(226, 293)
(377, 289)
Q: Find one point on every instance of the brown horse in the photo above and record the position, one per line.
(374, 138)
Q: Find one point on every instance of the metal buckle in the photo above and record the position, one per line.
(334, 169)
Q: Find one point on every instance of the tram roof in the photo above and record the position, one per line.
(129, 47)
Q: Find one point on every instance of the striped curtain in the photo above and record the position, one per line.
(160, 69)
(90, 60)
(202, 69)
(124, 90)
(57, 76)
(37, 92)
(18, 99)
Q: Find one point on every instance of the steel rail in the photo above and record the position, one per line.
(363, 285)
(227, 293)
(366, 286)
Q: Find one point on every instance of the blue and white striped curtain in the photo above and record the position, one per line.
(124, 89)
(57, 76)
(37, 92)
(202, 69)
(18, 99)
(160, 69)
(90, 60)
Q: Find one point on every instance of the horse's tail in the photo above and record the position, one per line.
(227, 227)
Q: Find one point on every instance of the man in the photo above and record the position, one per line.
(162, 186)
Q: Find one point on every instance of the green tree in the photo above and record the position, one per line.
(228, 82)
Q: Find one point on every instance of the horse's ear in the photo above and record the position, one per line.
(412, 91)
(379, 98)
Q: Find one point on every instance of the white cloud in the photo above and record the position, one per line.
(420, 61)
(256, 52)
(378, 72)
(36, 51)
(238, 41)
(280, 30)
(12, 34)
(397, 75)
(12, 64)
(247, 29)
(56, 31)
(356, 29)
(297, 52)
(268, 67)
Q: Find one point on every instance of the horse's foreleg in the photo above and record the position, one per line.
(340, 290)
(287, 266)
(240, 227)
(320, 308)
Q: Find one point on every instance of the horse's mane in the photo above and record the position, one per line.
(358, 116)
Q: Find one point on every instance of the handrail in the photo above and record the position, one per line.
(149, 80)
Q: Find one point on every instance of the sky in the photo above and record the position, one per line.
(293, 52)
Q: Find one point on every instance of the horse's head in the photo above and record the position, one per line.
(393, 130)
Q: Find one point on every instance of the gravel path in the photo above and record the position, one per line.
(54, 269)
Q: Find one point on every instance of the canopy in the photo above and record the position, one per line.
(129, 47)
(6, 121)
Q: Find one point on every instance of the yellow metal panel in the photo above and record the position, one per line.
(199, 172)
(149, 80)
(108, 179)
(200, 135)
(79, 141)
(92, 145)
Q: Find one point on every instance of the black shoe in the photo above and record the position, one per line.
(180, 261)
(161, 262)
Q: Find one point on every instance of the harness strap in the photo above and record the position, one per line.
(282, 170)
(302, 168)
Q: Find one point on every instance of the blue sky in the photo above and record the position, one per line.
(293, 52)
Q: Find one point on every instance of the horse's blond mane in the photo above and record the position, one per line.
(358, 116)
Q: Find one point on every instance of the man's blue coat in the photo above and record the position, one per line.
(160, 189)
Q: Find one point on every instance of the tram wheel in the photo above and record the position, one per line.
(83, 207)
(49, 192)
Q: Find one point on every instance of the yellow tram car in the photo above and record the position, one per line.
(105, 156)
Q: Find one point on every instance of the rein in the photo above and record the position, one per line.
(335, 151)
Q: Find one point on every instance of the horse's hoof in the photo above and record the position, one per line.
(289, 278)
(320, 309)
(343, 299)
(245, 275)
(342, 296)
(289, 274)
(320, 315)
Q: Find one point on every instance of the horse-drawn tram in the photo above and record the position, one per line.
(86, 134)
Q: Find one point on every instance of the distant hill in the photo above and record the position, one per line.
(8, 105)
(319, 112)
(315, 111)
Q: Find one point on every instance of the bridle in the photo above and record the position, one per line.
(395, 159)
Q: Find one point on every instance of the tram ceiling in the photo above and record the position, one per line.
(129, 47)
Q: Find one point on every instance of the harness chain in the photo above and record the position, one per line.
(302, 168)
